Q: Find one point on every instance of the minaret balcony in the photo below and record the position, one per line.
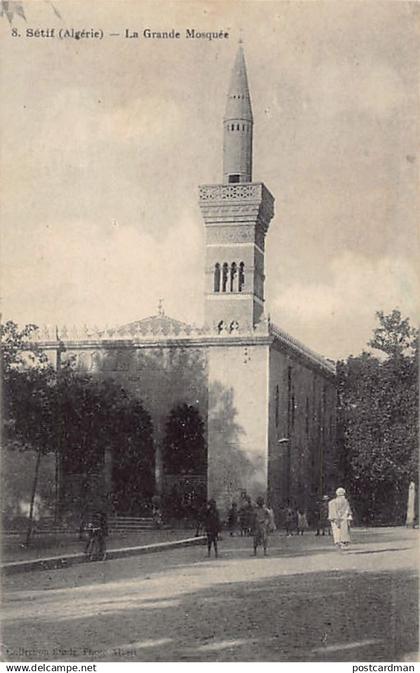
(250, 191)
(234, 203)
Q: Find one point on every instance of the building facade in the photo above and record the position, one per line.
(266, 401)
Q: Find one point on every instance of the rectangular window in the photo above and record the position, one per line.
(234, 178)
(293, 411)
(289, 399)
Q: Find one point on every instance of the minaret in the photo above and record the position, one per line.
(237, 125)
(237, 214)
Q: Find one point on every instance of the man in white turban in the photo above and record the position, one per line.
(340, 516)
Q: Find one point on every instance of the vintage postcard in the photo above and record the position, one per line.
(210, 301)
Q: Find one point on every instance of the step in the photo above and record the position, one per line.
(130, 519)
(116, 523)
(123, 527)
(141, 524)
(130, 523)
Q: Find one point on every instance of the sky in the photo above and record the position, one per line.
(104, 144)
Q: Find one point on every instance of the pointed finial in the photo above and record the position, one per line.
(160, 307)
(237, 124)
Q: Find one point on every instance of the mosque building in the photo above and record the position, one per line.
(267, 403)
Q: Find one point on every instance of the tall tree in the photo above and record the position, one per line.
(394, 335)
(184, 443)
(28, 399)
(76, 415)
(96, 414)
(378, 420)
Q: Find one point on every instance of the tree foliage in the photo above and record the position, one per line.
(74, 414)
(94, 415)
(15, 8)
(394, 336)
(184, 449)
(17, 351)
(28, 390)
(10, 8)
(378, 421)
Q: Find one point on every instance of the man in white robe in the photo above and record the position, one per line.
(340, 516)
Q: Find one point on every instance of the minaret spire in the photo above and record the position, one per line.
(237, 125)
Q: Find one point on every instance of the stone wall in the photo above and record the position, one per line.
(267, 403)
(237, 421)
(301, 430)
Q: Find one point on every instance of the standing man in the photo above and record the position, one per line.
(233, 518)
(249, 514)
(322, 520)
(157, 511)
(302, 521)
(212, 523)
(290, 520)
(262, 522)
(103, 523)
(98, 532)
(340, 516)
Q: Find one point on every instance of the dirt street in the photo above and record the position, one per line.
(304, 602)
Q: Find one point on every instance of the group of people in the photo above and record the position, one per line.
(259, 523)
(295, 520)
(256, 520)
(333, 516)
(242, 516)
(327, 517)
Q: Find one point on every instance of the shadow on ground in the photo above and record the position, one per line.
(309, 616)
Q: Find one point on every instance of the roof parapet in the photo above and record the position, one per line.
(295, 344)
(50, 336)
(49, 333)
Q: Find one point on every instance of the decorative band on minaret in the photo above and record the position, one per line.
(237, 126)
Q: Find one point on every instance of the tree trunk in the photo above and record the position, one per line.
(56, 488)
(58, 480)
(31, 509)
(372, 507)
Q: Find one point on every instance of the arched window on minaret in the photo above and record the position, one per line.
(233, 273)
(241, 280)
(225, 274)
(217, 277)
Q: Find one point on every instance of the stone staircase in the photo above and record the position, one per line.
(129, 524)
(47, 526)
(116, 524)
